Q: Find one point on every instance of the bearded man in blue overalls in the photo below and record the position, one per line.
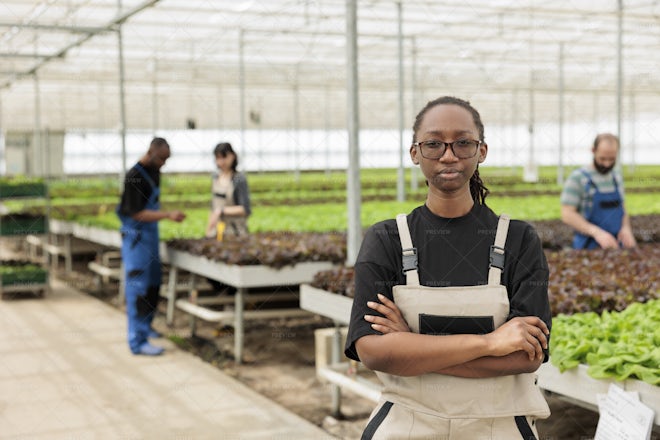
(592, 201)
(139, 212)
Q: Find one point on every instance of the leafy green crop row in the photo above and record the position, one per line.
(378, 185)
(496, 178)
(617, 345)
(326, 217)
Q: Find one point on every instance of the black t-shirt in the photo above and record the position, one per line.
(137, 190)
(451, 252)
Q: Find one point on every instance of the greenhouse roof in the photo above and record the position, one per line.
(195, 61)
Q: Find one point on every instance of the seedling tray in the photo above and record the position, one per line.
(19, 276)
(22, 224)
(10, 190)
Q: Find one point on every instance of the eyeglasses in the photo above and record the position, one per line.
(462, 148)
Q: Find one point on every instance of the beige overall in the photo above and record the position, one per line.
(437, 406)
(234, 225)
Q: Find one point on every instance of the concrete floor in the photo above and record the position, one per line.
(66, 373)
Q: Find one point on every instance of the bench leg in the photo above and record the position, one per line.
(238, 324)
(193, 299)
(171, 295)
(336, 355)
(68, 260)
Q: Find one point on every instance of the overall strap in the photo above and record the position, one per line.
(497, 252)
(146, 176)
(409, 254)
(616, 184)
(588, 207)
(589, 181)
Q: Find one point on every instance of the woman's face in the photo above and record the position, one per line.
(448, 123)
(224, 163)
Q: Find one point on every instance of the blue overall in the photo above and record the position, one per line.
(142, 268)
(606, 212)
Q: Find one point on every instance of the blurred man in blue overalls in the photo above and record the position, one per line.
(139, 211)
(592, 201)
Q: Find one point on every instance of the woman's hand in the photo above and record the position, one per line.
(392, 320)
(527, 333)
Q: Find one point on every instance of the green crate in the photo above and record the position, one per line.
(21, 224)
(21, 273)
(28, 277)
(9, 190)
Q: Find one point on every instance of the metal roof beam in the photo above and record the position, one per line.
(55, 27)
(121, 18)
(24, 55)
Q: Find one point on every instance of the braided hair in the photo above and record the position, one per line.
(478, 190)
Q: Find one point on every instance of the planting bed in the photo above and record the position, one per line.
(273, 249)
(602, 279)
(554, 234)
(259, 260)
(580, 281)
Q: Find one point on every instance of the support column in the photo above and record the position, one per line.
(560, 163)
(353, 188)
(401, 178)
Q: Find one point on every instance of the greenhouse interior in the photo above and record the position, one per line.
(220, 184)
